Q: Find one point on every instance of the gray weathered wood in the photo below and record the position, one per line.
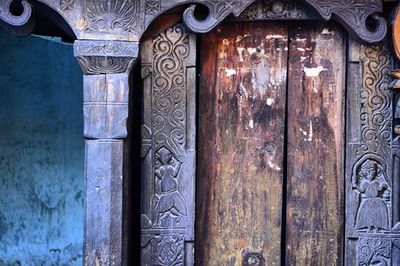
(371, 199)
(106, 105)
(128, 19)
(168, 148)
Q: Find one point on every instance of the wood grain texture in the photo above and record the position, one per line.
(241, 145)
(315, 146)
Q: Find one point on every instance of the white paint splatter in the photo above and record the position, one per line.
(251, 124)
(301, 49)
(313, 71)
(274, 166)
(251, 50)
(275, 36)
(230, 72)
(309, 135)
(326, 31)
(270, 101)
(240, 52)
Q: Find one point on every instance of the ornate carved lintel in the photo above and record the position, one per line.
(128, 19)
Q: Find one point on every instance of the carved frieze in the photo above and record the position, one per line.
(277, 10)
(128, 19)
(168, 147)
(113, 17)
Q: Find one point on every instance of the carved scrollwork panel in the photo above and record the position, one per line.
(371, 183)
(168, 147)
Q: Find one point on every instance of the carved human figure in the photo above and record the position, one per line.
(374, 192)
(170, 200)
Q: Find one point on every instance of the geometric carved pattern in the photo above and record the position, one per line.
(167, 147)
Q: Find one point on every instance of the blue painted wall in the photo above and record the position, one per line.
(41, 153)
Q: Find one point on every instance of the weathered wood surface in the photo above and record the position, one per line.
(241, 144)
(372, 159)
(168, 148)
(315, 146)
(106, 105)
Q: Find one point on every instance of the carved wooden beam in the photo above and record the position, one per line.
(128, 19)
(106, 66)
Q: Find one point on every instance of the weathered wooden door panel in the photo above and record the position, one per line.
(241, 144)
(315, 199)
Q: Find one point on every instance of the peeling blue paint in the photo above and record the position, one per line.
(41, 153)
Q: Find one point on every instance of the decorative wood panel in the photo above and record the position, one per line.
(372, 170)
(168, 148)
(316, 86)
(241, 144)
(127, 20)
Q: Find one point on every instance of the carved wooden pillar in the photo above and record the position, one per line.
(106, 66)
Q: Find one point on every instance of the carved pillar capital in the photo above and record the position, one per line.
(106, 57)
(106, 65)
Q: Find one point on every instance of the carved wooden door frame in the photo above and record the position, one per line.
(108, 37)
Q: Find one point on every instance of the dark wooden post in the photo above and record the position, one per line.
(106, 66)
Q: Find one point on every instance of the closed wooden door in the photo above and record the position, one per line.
(270, 145)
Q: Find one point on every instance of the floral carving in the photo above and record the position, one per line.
(117, 17)
(374, 251)
(67, 5)
(153, 7)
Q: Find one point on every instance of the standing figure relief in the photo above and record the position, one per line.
(170, 200)
(374, 197)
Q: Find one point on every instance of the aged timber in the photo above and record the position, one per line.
(106, 103)
(127, 20)
(241, 144)
(315, 146)
(168, 148)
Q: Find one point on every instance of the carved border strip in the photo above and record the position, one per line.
(168, 148)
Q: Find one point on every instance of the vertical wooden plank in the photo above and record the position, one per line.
(241, 144)
(168, 148)
(315, 146)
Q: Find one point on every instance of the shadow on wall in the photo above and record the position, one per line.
(41, 153)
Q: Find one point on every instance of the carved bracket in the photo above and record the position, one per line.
(128, 19)
(18, 25)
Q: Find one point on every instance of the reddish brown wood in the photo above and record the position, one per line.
(241, 144)
(315, 146)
